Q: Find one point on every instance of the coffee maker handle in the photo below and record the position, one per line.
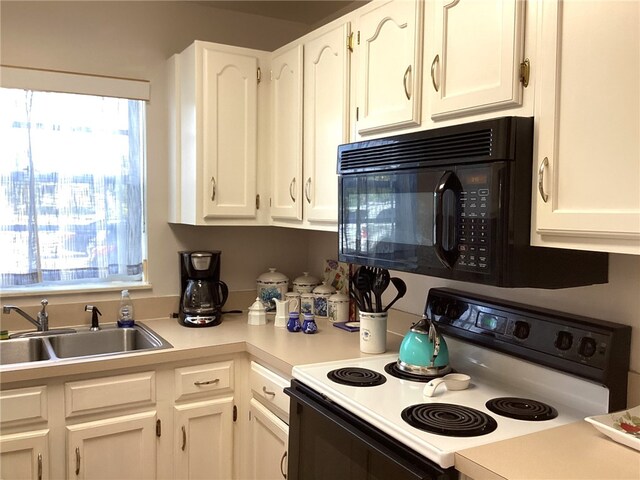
(223, 290)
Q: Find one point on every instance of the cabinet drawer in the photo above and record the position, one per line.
(268, 386)
(24, 405)
(108, 393)
(210, 378)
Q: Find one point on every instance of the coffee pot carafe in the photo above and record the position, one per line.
(203, 293)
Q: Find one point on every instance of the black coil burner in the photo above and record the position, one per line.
(449, 419)
(356, 377)
(521, 409)
(392, 369)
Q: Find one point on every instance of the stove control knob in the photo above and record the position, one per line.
(564, 340)
(521, 330)
(587, 347)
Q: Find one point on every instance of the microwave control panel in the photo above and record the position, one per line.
(474, 222)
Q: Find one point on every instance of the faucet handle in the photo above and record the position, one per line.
(44, 302)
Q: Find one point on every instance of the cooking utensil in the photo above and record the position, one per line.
(401, 287)
(453, 381)
(355, 294)
(423, 351)
(380, 284)
(363, 285)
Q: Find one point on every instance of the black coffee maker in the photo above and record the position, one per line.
(203, 294)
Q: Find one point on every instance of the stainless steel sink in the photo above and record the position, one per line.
(110, 340)
(23, 350)
(106, 341)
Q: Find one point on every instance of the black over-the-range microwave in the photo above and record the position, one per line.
(453, 202)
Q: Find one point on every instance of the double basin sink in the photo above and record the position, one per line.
(82, 342)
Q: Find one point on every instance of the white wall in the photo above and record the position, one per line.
(616, 301)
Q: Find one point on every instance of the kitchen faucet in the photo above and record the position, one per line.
(41, 321)
(95, 326)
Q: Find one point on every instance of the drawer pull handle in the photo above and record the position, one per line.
(39, 466)
(184, 438)
(77, 460)
(199, 383)
(267, 392)
(284, 456)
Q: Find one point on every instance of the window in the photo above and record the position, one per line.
(71, 189)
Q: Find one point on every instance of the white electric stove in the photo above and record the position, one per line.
(562, 369)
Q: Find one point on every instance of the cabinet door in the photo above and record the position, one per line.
(203, 439)
(286, 135)
(25, 456)
(588, 119)
(115, 448)
(389, 73)
(326, 120)
(229, 133)
(478, 45)
(268, 443)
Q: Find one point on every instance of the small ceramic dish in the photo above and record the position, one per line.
(622, 427)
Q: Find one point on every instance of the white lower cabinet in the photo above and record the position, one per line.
(268, 424)
(24, 433)
(120, 448)
(203, 439)
(268, 443)
(25, 455)
(176, 421)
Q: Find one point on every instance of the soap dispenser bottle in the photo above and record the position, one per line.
(125, 313)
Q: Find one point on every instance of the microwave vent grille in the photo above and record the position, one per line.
(462, 147)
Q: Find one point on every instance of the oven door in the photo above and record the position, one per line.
(327, 442)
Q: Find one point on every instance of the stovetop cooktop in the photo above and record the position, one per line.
(382, 404)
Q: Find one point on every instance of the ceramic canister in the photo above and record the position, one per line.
(305, 283)
(271, 285)
(338, 307)
(306, 302)
(321, 294)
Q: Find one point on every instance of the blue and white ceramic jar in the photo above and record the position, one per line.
(271, 285)
(309, 324)
(321, 296)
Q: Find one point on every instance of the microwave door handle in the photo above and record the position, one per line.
(448, 257)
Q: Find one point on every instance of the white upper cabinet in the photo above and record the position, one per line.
(587, 187)
(286, 134)
(389, 72)
(326, 120)
(216, 146)
(478, 48)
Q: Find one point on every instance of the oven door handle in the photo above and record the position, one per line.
(357, 427)
(445, 223)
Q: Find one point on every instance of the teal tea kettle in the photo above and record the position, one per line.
(423, 351)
